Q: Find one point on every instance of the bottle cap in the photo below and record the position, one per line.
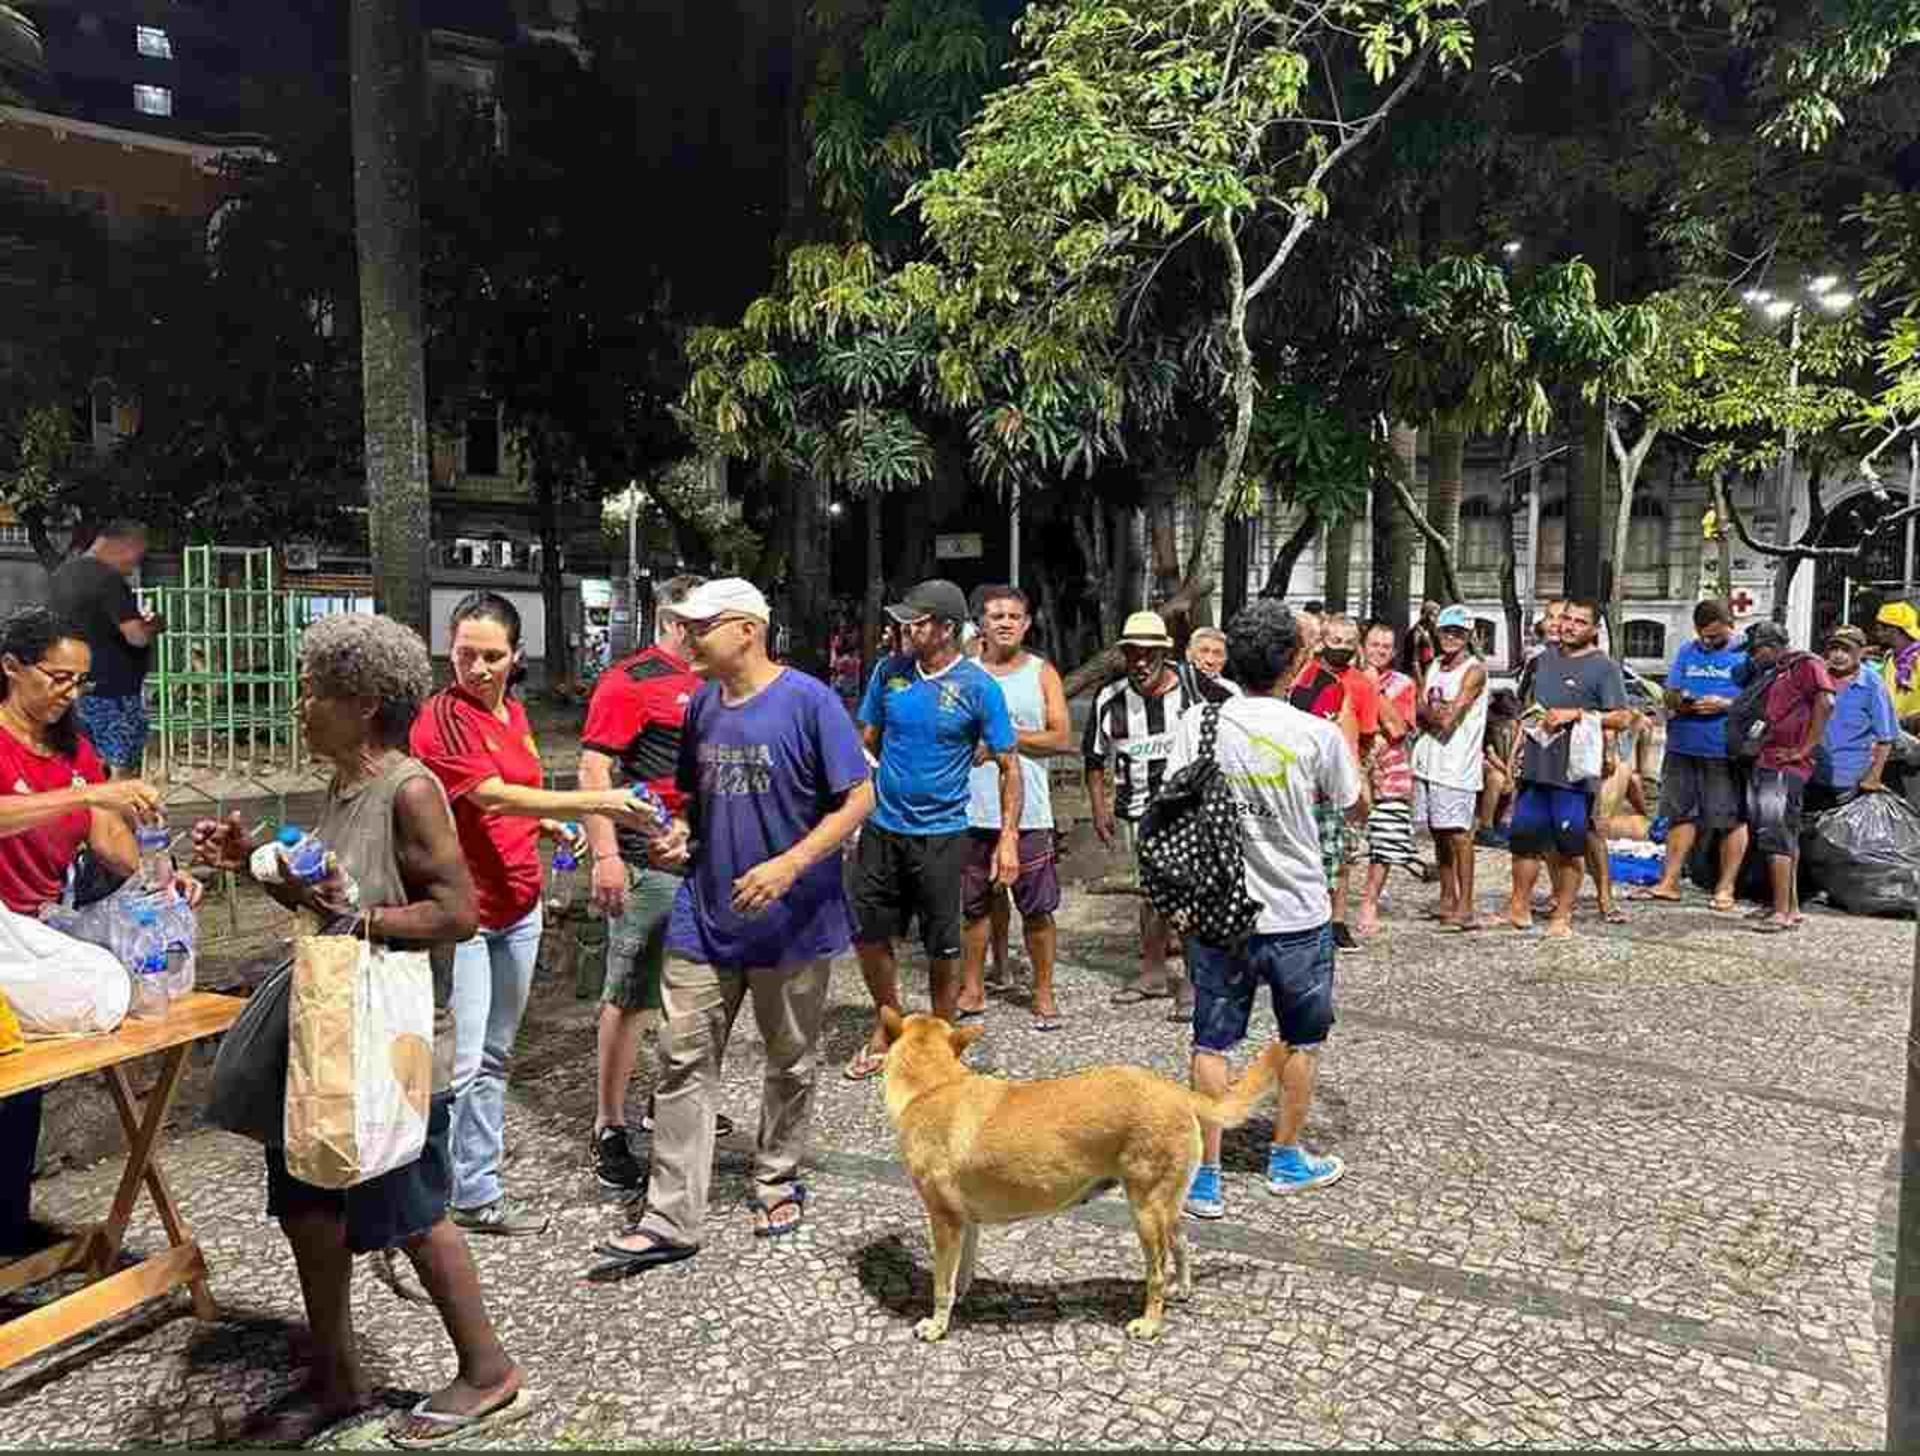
(291, 834)
(145, 915)
(564, 860)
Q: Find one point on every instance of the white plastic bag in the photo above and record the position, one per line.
(59, 986)
(359, 1060)
(1584, 748)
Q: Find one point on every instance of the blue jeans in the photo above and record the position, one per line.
(1296, 967)
(492, 977)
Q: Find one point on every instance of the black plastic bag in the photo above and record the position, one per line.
(249, 1093)
(1752, 881)
(1866, 855)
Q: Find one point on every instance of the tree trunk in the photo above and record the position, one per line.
(1785, 568)
(1510, 583)
(1280, 569)
(1446, 466)
(1629, 462)
(1393, 549)
(1338, 587)
(389, 106)
(876, 579)
(1439, 549)
(1586, 503)
(809, 614)
(547, 501)
(34, 518)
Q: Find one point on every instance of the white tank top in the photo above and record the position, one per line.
(1027, 706)
(1453, 762)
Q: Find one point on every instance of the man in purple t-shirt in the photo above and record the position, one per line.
(775, 781)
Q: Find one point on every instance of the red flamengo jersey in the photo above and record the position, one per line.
(465, 745)
(638, 707)
(34, 863)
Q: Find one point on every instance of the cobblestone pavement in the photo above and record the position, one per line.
(1631, 1190)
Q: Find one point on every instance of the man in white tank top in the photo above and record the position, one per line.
(1447, 764)
(1037, 703)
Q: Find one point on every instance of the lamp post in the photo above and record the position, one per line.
(1827, 293)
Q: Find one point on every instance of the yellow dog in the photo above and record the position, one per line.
(986, 1150)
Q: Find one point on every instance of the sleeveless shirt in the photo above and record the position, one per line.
(357, 825)
(1027, 706)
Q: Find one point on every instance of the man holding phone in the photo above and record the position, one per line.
(1698, 793)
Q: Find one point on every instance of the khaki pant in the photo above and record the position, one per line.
(701, 1002)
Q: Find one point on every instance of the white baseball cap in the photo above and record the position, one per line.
(729, 594)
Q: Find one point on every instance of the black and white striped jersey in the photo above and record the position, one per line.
(1137, 733)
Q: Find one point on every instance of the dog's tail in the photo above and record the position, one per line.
(1239, 1101)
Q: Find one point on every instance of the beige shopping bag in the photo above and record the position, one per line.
(359, 1059)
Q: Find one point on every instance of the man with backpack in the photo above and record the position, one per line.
(1274, 760)
(1783, 709)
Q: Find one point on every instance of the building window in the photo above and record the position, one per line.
(483, 439)
(151, 40)
(1646, 535)
(1551, 554)
(1646, 639)
(153, 100)
(1479, 534)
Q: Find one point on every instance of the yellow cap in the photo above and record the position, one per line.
(1901, 615)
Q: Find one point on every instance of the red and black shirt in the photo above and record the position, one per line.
(635, 717)
(465, 744)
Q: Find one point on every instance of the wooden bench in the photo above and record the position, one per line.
(108, 1294)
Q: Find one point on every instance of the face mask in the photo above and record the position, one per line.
(1337, 656)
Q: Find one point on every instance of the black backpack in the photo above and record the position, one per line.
(1747, 718)
(1192, 856)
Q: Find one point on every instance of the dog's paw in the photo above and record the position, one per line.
(1143, 1329)
(931, 1329)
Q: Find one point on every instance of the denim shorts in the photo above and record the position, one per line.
(1548, 819)
(1297, 969)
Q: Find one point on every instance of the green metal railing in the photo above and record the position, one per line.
(225, 673)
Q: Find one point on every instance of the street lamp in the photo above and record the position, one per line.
(1824, 292)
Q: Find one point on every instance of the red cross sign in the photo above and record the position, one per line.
(1742, 602)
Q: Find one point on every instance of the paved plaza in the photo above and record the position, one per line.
(1631, 1190)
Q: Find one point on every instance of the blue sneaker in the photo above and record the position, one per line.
(1294, 1170)
(1203, 1197)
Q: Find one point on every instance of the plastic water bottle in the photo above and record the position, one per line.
(563, 884)
(655, 805)
(156, 859)
(307, 861)
(147, 964)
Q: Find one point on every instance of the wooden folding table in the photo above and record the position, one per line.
(108, 1294)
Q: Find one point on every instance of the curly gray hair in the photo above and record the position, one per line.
(354, 655)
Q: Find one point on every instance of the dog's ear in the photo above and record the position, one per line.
(962, 1037)
(892, 1023)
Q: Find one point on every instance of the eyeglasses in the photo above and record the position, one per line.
(62, 681)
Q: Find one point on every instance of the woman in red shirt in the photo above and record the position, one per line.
(54, 798)
(476, 739)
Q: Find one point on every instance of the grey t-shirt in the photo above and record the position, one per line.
(1591, 682)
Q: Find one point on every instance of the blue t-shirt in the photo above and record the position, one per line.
(1703, 673)
(928, 729)
(759, 776)
(1862, 717)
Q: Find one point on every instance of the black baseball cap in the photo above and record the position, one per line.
(936, 598)
(1764, 634)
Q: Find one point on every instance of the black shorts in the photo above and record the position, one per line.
(901, 877)
(383, 1212)
(1701, 791)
